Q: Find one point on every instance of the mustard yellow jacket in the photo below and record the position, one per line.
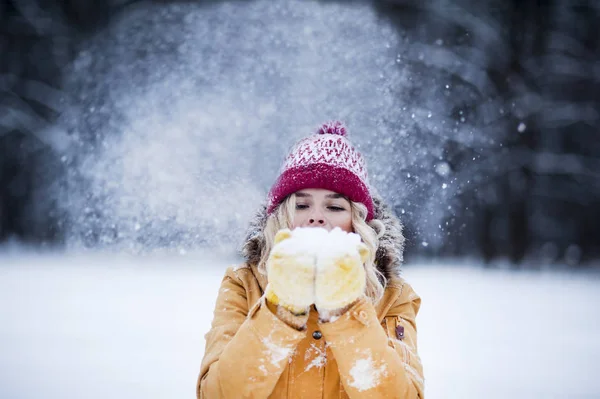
(369, 352)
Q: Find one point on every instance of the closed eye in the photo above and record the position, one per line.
(336, 208)
(301, 206)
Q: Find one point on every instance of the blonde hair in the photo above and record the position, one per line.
(369, 233)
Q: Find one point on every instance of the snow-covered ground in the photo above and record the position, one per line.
(119, 327)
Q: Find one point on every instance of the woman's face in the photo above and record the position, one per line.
(317, 207)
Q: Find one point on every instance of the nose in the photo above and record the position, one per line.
(316, 219)
(316, 222)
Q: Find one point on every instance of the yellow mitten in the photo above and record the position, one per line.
(340, 277)
(291, 268)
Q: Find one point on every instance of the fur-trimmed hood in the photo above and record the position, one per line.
(389, 254)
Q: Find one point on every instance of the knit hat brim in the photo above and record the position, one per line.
(319, 175)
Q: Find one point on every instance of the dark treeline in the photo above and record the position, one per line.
(526, 73)
(537, 193)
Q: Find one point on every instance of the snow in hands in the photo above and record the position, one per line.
(320, 242)
(334, 259)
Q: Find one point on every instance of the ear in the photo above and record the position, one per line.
(363, 252)
(283, 234)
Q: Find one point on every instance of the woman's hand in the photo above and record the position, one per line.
(291, 270)
(340, 274)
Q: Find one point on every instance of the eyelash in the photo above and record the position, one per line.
(333, 208)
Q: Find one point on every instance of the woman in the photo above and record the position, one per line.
(366, 346)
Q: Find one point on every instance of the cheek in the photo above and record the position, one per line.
(344, 222)
(348, 227)
(298, 220)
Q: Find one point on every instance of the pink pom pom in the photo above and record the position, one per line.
(333, 127)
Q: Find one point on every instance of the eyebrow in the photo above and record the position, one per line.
(334, 195)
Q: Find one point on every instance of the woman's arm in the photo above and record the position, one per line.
(246, 349)
(376, 362)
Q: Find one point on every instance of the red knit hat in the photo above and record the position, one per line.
(324, 160)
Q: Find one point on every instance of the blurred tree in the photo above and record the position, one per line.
(566, 187)
(32, 48)
(522, 75)
(37, 40)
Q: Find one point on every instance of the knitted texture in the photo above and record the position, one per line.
(291, 270)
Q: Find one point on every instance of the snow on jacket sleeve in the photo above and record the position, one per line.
(376, 362)
(246, 349)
